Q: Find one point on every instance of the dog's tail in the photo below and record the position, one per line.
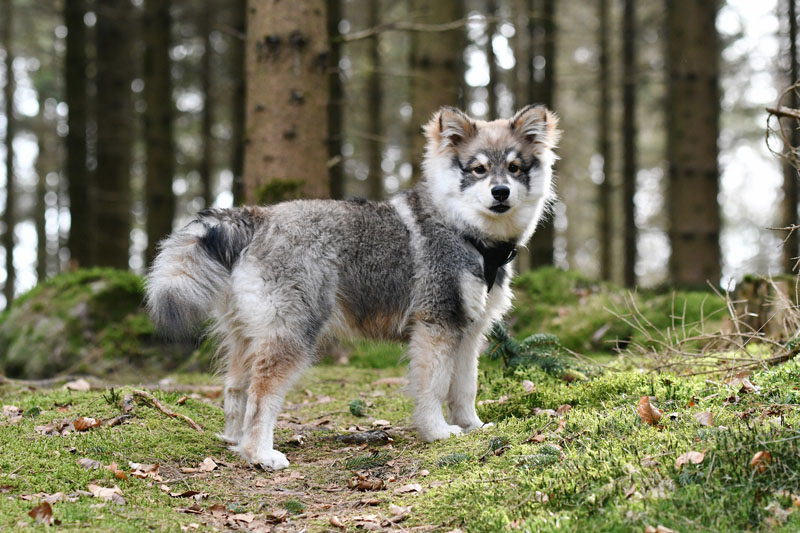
(191, 272)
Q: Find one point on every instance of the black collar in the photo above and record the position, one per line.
(494, 257)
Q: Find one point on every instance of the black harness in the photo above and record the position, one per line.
(494, 257)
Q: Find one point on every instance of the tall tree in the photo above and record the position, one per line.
(375, 107)
(238, 95)
(9, 219)
(287, 98)
(522, 52)
(542, 243)
(336, 99)
(43, 138)
(692, 116)
(437, 68)
(604, 143)
(112, 190)
(791, 197)
(491, 27)
(77, 174)
(207, 149)
(158, 118)
(629, 73)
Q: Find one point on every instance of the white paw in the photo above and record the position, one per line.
(476, 424)
(272, 459)
(441, 432)
(224, 437)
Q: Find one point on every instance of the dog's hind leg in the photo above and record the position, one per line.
(275, 367)
(237, 380)
(430, 369)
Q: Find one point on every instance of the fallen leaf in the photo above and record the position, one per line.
(89, 464)
(366, 483)
(658, 529)
(277, 517)
(42, 513)
(500, 400)
(706, 418)
(11, 411)
(182, 400)
(297, 439)
(647, 412)
(143, 471)
(760, 461)
(119, 474)
(649, 462)
(563, 409)
(541, 497)
(690, 457)
(336, 522)
(218, 510)
(528, 385)
(79, 384)
(381, 423)
(243, 517)
(539, 437)
(561, 425)
(207, 465)
(398, 510)
(128, 403)
(85, 423)
(113, 494)
(411, 487)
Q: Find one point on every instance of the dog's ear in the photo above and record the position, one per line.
(536, 124)
(449, 127)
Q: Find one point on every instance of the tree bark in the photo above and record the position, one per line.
(375, 107)
(77, 174)
(605, 190)
(692, 108)
(629, 73)
(9, 219)
(112, 190)
(43, 163)
(542, 242)
(436, 68)
(336, 100)
(287, 99)
(237, 73)
(522, 53)
(791, 248)
(491, 89)
(158, 119)
(207, 150)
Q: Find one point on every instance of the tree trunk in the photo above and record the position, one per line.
(692, 107)
(436, 68)
(604, 146)
(160, 166)
(375, 107)
(629, 73)
(491, 89)
(791, 249)
(112, 190)
(336, 100)
(77, 174)
(207, 149)
(237, 67)
(541, 244)
(43, 163)
(287, 99)
(9, 219)
(522, 53)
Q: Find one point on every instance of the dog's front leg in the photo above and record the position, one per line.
(431, 365)
(464, 386)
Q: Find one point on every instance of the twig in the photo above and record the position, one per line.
(158, 405)
(783, 111)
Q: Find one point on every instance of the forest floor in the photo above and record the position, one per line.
(563, 455)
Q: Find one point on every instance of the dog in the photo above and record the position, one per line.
(429, 267)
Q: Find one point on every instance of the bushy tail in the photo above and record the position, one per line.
(191, 272)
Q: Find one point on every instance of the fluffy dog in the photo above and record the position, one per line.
(430, 267)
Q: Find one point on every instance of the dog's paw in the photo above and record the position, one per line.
(228, 439)
(271, 460)
(440, 433)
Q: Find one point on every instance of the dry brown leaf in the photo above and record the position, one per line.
(690, 457)
(89, 464)
(648, 412)
(381, 423)
(398, 510)
(207, 465)
(528, 385)
(218, 510)
(760, 461)
(561, 425)
(363, 484)
(42, 513)
(79, 384)
(563, 409)
(706, 418)
(539, 437)
(10, 411)
(658, 529)
(119, 474)
(336, 522)
(406, 489)
(85, 423)
(113, 494)
(243, 517)
(500, 400)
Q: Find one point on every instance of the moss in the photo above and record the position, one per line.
(88, 321)
(581, 313)
(279, 190)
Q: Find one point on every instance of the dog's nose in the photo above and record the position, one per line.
(501, 192)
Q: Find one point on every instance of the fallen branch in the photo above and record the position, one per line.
(158, 405)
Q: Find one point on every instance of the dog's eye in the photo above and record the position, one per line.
(513, 168)
(479, 170)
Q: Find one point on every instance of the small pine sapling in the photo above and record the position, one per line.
(540, 349)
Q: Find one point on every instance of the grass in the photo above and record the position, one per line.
(600, 469)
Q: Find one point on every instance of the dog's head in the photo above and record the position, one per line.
(495, 176)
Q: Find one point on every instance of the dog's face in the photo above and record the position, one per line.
(495, 176)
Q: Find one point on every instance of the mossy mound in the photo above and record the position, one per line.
(583, 313)
(89, 322)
